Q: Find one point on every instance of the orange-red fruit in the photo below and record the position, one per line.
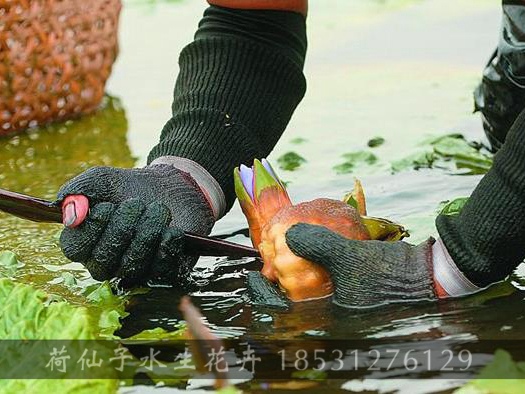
(300, 278)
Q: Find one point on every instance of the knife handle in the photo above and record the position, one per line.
(75, 209)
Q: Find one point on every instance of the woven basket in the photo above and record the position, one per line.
(55, 58)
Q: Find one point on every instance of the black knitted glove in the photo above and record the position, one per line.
(501, 95)
(126, 234)
(367, 273)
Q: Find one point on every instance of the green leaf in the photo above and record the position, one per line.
(26, 315)
(107, 307)
(350, 200)
(454, 207)
(101, 294)
(69, 279)
(501, 376)
(298, 140)
(415, 161)
(290, 161)
(375, 142)
(310, 374)
(9, 263)
(354, 159)
(229, 390)
(444, 151)
(54, 386)
(344, 168)
(158, 333)
(464, 154)
(8, 259)
(384, 229)
(361, 157)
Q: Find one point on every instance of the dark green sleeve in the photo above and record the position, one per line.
(240, 81)
(487, 239)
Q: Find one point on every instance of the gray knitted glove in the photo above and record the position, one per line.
(135, 224)
(367, 273)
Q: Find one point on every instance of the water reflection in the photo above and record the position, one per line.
(38, 162)
(416, 83)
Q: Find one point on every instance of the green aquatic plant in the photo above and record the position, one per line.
(354, 159)
(414, 161)
(444, 151)
(502, 375)
(9, 263)
(310, 374)
(108, 307)
(454, 207)
(158, 334)
(290, 161)
(375, 142)
(298, 141)
(28, 314)
(464, 154)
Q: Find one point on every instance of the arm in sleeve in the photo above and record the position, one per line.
(240, 81)
(487, 239)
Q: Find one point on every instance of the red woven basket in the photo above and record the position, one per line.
(55, 58)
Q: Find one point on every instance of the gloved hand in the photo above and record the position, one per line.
(134, 227)
(480, 246)
(367, 273)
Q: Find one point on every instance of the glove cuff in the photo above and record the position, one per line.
(449, 281)
(208, 185)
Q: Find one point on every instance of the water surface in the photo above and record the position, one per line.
(403, 70)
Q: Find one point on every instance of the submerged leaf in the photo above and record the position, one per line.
(310, 374)
(290, 161)
(415, 161)
(158, 334)
(353, 159)
(446, 150)
(8, 259)
(9, 263)
(109, 307)
(501, 376)
(26, 314)
(69, 279)
(375, 142)
(298, 140)
(344, 168)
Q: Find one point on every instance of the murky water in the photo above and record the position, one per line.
(403, 70)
